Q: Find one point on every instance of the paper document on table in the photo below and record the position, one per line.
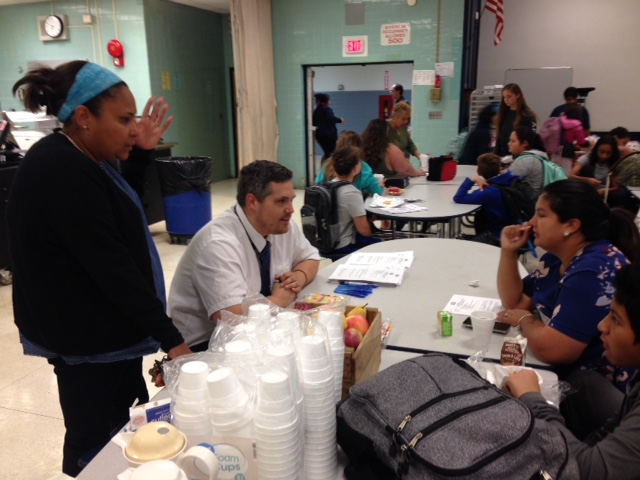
(404, 208)
(385, 259)
(384, 276)
(465, 304)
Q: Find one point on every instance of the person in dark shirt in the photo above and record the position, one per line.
(571, 96)
(325, 122)
(88, 290)
(479, 140)
(397, 93)
(512, 113)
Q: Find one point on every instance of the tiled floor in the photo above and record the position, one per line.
(31, 423)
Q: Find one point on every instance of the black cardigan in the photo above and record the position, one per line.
(82, 276)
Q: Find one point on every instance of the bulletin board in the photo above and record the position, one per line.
(543, 88)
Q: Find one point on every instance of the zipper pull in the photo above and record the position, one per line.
(544, 475)
(403, 424)
(393, 450)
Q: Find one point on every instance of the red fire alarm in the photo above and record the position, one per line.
(114, 47)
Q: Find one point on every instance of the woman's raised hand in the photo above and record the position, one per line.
(514, 237)
(150, 126)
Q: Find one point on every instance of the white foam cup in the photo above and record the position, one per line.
(274, 386)
(224, 387)
(193, 375)
(259, 312)
(482, 323)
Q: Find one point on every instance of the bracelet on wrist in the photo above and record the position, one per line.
(520, 319)
(306, 279)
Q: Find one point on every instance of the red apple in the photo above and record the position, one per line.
(359, 322)
(352, 338)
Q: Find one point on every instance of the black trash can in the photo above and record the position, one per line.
(185, 182)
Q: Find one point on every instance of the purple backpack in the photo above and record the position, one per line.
(551, 135)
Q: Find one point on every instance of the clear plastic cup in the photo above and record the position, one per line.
(482, 323)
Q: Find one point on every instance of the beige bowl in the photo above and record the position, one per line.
(155, 441)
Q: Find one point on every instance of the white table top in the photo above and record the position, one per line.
(442, 268)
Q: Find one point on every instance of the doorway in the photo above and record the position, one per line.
(355, 91)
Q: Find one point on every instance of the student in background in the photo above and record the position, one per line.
(594, 166)
(384, 157)
(512, 113)
(355, 229)
(364, 181)
(570, 98)
(495, 213)
(611, 452)
(479, 140)
(527, 149)
(572, 130)
(623, 137)
(325, 122)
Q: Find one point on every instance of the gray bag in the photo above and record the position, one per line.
(433, 417)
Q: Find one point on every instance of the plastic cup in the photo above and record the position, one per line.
(424, 162)
(379, 177)
(482, 323)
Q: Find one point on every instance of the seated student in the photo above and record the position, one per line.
(559, 305)
(253, 247)
(527, 149)
(627, 172)
(364, 181)
(571, 97)
(398, 133)
(623, 137)
(355, 230)
(613, 451)
(594, 166)
(489, 196)
(383, 156)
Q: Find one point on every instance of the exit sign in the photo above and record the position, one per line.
(354, 46)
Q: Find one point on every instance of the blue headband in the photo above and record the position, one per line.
(90, 82)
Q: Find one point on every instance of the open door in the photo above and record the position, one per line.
(311, 143)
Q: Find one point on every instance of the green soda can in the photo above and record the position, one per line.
(445, 323)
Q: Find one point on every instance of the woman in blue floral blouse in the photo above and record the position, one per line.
(559, 305)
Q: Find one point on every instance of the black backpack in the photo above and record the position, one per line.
(520, 200)
(319, 215)
(433, 417)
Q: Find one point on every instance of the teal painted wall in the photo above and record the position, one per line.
(158, 36)
(309, 32)
(188, 44)
(21, 43)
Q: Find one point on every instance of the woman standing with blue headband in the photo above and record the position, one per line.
(88, 291)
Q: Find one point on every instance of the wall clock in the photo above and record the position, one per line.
(53, 26)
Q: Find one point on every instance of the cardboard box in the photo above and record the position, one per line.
(363, 362)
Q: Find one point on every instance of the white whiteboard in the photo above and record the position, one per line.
(543, 88)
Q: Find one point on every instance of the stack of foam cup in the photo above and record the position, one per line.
(259, 313)
(282, 357)
(320, 458)
(191, 403)
(332, 322)
(277, 428)
(290, 321)
(239, 355)
(231, 410)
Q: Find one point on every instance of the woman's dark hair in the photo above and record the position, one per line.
(346, 138)
(48, 87)
(376, 140)
(345, 160)
(526, 134)
(627, 294)
(573, 111)
(571, 199)
(322, 98)
(486, 114)
(605, 140)
(522, 107)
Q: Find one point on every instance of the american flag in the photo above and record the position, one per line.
(497, 8)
